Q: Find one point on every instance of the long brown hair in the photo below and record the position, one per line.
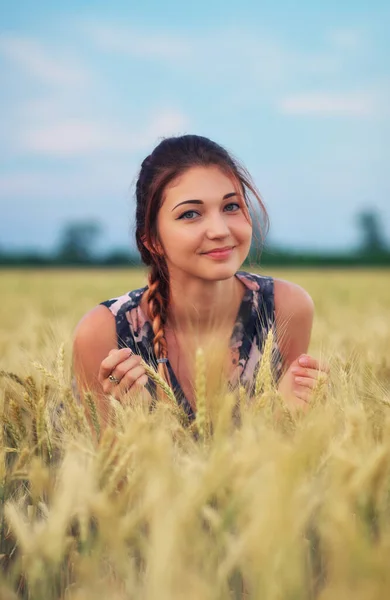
(170, 159)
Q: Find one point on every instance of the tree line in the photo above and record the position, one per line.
(79, 240)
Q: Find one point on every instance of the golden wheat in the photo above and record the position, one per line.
(200, 393)
(276, 504)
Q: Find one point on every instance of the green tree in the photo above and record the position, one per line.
(78, 241)
(373, 238)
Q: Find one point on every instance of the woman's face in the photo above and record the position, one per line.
(202, 210)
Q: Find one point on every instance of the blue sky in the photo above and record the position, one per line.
(299, 92)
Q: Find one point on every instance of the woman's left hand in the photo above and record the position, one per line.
(300, 380)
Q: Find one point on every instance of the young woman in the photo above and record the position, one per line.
(194, 231)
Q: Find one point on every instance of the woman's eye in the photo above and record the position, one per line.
(185, 216)
(189, 212)
(232, 204)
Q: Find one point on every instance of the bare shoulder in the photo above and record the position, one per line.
(294, 311)
(94, 338)
(291, 299)
(97, 325)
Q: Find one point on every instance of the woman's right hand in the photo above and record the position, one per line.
(124, 366)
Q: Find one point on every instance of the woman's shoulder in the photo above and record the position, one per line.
(285, 293)
(294, 314)
(96, 329)
(125, 302)
(291, 299)
(285, 300)
(257, 282)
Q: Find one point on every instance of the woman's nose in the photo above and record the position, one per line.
(217, 227)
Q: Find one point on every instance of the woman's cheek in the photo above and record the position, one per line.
(244, 231)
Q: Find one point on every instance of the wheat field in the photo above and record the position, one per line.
(250, 501)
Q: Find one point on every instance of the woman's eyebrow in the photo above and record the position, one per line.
(226, 196)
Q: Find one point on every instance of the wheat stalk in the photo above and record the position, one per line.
(3, 470)
(150, 372)
(23, 457)
(32, 390)
(77, 411)
(40, 423)
(264, 378)
(200, 393)
(48, 375)
(13, 377)
(61, 364)
(48, 431)
(17, 417)
(93, 413)
(11, 429)
(28, 400)
(107, 448)
(118, 470)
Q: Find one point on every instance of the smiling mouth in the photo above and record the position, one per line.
(220, 255)
(220, 250)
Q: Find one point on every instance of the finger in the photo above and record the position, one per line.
(129, 379)
(302, 372)
(116, 389)
(309, 374)
(313, 363)
(141, 381)
(126, 365)
(116, 350)
(307, 382)
(112, 360)
(303, 393)
(119, 373)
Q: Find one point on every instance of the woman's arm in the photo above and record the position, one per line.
(294, 312)
(96, 357)
(94, 338)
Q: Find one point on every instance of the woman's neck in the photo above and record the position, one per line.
(203, 307)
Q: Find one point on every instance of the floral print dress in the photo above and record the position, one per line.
(256, 316)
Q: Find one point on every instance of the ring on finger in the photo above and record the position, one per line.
(114, 379)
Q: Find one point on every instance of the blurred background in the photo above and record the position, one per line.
(299, 92)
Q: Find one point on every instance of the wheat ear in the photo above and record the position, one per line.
(17, 417)
(40, 423)
(150, 372)
(264, 379)
(12, 376)
(61, 364)
(11, 429)
(93, 413)
(200, 393)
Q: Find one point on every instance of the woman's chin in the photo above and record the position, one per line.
(220, 271)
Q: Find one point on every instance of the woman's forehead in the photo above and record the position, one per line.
(203, 182)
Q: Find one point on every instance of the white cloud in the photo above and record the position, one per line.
(76, 137)
(42, 63)
(131, 42)
(66, 138)
(359, 104)
(345, 38)
(51, 107)
(100, 179)
(254, 56)
(63, 121)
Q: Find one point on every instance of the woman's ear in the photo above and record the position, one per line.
(143, 240)
(158, 250)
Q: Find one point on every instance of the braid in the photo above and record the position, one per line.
(157, 298)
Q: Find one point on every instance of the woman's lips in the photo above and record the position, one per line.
(220, 254)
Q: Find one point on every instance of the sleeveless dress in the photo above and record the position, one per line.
(256, 316)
